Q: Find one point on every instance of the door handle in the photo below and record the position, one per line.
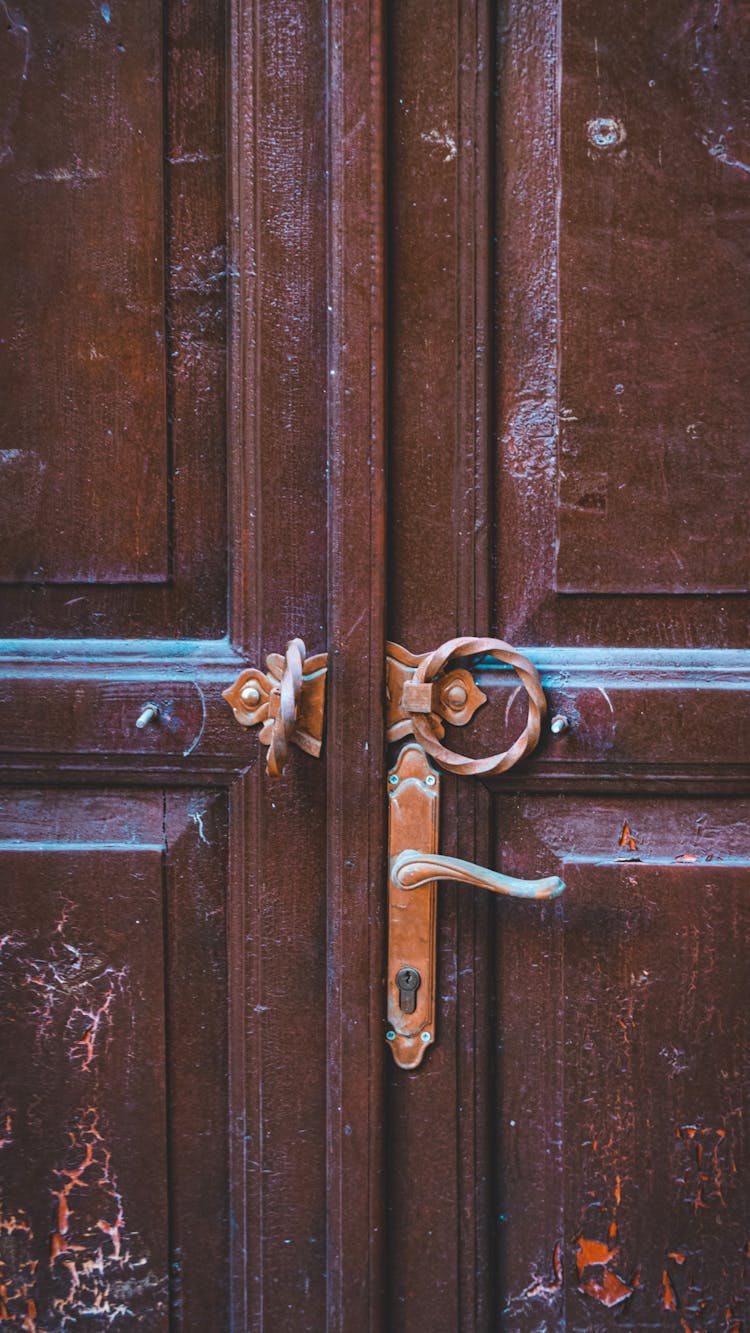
(287, 701)
(423, 693)
(412, 870)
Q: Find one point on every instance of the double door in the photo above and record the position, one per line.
(373, 328)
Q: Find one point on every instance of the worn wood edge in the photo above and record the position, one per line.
(356, 632)
(242, 871)
(243, 359)
(477, 1296)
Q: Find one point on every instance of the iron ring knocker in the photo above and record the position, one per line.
(431, 666)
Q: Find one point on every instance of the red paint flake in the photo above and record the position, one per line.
(670, 1296)
(557, 1265)
(627, 839)
(592, 1252)
(609, 1289)
(686, 856)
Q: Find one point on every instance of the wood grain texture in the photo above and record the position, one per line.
(356, 846)
(621, 450)
(622, 1066)
(440, 170)
(113, 427)
(278, 590)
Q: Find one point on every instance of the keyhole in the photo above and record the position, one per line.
(408, 981)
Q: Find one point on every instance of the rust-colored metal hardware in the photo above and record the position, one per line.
(288, 700)
(422, 695)
(412, 870)
(413, 820)
(420, 699)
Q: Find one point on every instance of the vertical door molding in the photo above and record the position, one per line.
(440, 357)
(356, 645)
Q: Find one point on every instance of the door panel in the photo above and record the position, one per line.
(114, 993)
(623, 260)
(622, 1052)
(114, 321)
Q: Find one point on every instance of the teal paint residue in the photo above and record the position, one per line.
(105, 12)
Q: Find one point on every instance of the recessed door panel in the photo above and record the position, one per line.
(622, 1053)
(113, 1092)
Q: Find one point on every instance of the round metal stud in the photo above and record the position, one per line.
(425, 1036)
(430, 780)
(559, 724)
(250, 695)
(456, 696)
(390, 1035)
(393, 779)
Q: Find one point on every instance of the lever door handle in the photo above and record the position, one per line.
(413, 870)
(422, 694)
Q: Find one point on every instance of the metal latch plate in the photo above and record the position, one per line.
(414, 822)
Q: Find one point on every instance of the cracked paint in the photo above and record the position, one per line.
(67, 1258)
(17, 1271)
(710, 1168)
(69, 991)
(95, 1270)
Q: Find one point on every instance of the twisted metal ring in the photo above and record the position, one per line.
(284, 707)
(433, 664)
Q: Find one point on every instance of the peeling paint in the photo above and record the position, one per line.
(442, 139)
(627, 838)
(69, 991)
(597, 1277)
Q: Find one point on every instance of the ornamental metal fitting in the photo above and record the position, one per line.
(422, 695)
(287, 701)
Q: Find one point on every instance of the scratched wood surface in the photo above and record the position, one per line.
(252, 241)
(579, 1123)
(165, 1067)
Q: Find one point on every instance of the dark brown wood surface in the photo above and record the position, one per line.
(164, 202)
(323, 321)
(579, 1123)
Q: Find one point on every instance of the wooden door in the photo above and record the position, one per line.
(569, 471)
(175, 1113)
(324, 321)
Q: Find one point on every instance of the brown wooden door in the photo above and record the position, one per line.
(173, 1116)
(569, 470)
(324, 321)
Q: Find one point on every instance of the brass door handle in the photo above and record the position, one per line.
(413, 870)
(423, 693)
(288, 700)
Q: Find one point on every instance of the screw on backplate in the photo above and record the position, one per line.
(390, 1035)
(149, 714)
(426, 1036)
(559, 724)
(430, 780)
(393, 779)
